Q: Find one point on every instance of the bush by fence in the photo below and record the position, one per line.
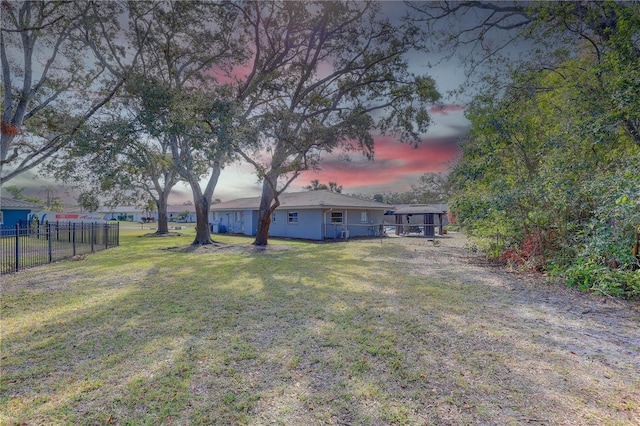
(27, 245)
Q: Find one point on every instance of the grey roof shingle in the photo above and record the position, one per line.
(11, 204)
(305, 200)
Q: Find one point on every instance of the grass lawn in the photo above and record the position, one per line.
(312, 334)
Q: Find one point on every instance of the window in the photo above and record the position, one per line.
(364, 217)
(238, 216)
(336, 217)
(1, 218)
(273, 217)
(293, 217)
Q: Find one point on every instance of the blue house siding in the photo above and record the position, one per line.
(11, 217)
(250, 222)
(14, 211)
(310, 224)
(307, 225)
(232, 221)
(312, 215)
(246, 222)
(355, 223)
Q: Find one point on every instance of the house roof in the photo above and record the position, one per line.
(421, 209)
(305, 200)
(133, 209)
(11, 204)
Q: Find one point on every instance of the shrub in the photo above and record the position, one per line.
(593, 277)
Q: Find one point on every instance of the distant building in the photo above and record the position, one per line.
(13, 211)
(179, 213)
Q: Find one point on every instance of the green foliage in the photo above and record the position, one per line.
(551, 164)
(89, 201)
(55, 75)
(592, 276)
(317, 186)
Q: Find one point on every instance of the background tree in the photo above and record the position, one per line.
(89, 201)
(317, 186)
(60, 66)
(492, 36)
(432, 188)
(17, 194)
(541, 172)
(331, 74)
(48, 203)
(121, 161)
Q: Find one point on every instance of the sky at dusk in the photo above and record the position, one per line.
(395, 167)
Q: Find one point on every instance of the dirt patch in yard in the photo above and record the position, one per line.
(568, 348)
(228, 248)
(594, 325)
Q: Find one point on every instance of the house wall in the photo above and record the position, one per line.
(353, 223)
(308, 225)
(250, 222)
(11, 217)
(230, 221)
(311, 224)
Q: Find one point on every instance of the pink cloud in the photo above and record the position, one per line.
(227, 77)
(395, 165)
(445, 109)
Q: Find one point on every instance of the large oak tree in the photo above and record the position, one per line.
(60, 65)
(324, 76)
(188, 59)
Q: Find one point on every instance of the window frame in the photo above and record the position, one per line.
(335, 222)
(293, 217)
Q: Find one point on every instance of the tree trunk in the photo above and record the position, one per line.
(203, 232)
(163, 224)
(264, 213)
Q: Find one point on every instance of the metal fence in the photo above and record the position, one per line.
(27, 245)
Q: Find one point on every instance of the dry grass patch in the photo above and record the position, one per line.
(392, 331)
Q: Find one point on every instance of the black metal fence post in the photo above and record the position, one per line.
(50, 242)
(17, 247)
(72, 231)
(92, 235)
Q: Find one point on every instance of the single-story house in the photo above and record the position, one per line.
(422, 219)
(122, 213)
(14, 211)
(69, 215)
(312, 215)
(179, 213)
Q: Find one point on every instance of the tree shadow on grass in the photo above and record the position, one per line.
(321, 334)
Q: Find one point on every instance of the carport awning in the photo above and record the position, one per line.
(417, 210)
